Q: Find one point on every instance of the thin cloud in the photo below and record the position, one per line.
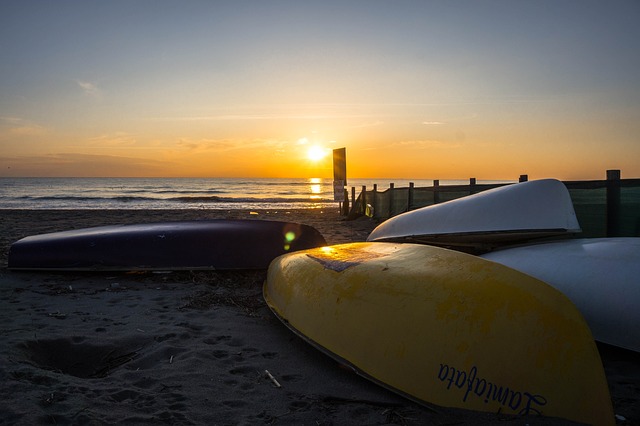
(368, 124)
(205, 144)
(73, 164)
(274, 112)
(31, 130)
(89, 88)
(16, 126)
(11, 120)
(427, 144)
(221, 145)
(432, 123)
(257, 117)
(118, 139)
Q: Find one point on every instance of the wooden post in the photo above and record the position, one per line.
(345, 206)
(375, 199)
(391, 198)
(364, 198)
(613, 203)
(436, 190)
(523, 178)
(472, 186)
(353, 196)
(410, 197)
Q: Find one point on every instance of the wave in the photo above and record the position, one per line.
(122, 198)
(182, 199)
(174, 191)
(248, 200)
(133, 193)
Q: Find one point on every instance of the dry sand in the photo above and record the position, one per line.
(193, 347)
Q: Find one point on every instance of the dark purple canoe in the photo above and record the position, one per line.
(206, 244)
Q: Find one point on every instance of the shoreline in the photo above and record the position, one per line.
(193, 347)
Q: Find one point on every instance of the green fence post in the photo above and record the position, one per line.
(391, 198)
(410, 197)
(613, 203)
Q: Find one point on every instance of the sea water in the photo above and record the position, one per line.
(182, 193)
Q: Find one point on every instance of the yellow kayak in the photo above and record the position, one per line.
(445, 328)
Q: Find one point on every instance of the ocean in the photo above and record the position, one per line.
(182, 193)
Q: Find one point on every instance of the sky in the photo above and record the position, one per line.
(424, 89)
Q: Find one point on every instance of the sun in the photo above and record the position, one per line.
(316, 153)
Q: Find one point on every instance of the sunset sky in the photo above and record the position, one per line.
(413, 89)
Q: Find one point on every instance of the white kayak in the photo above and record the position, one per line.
(506, 215)
(601, 276)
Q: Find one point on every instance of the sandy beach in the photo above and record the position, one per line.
(195, 347)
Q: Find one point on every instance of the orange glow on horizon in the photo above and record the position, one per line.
(376, 152)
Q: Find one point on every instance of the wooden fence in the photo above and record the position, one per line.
(609, 207)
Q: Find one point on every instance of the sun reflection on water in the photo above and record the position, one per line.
(315, 188)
